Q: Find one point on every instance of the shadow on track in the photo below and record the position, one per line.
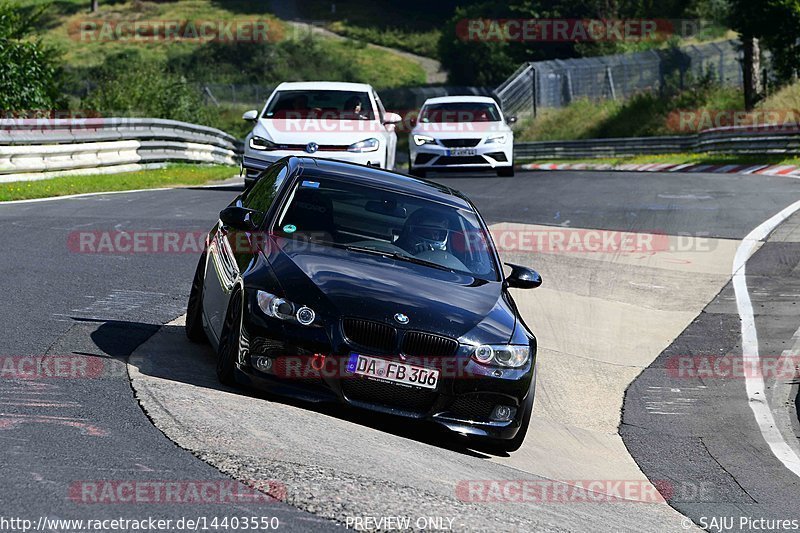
(195, 365)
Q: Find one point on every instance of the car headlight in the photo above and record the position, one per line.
(367, 145)
(508, 355)
(283, 309)
(496, 139)
(419, 140)
(262, 144)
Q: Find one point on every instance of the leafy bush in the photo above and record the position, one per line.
(29, 77)
(309, 58)
(128, 85)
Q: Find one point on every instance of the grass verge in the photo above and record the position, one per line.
(644, 115)
(648, 115)
(171, 175)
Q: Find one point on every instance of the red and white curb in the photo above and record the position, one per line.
(769, 170)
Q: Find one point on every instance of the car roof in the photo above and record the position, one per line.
(460, 99)
(323, 86)
(377, 177)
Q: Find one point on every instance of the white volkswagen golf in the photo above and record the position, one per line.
(462, 133)
(334, 120)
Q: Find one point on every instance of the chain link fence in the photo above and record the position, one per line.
(556, 83)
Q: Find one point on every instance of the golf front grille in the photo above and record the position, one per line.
(388, 394)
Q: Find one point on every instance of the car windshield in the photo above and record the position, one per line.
(377, 221)
(322, 104)
(459, 112)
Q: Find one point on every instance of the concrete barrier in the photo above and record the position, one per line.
(35, 149)
(739, 140)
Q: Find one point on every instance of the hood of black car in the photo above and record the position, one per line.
(341, 283)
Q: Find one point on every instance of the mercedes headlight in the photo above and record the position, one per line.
(512, 356)
(261, 144)
(419, 140)
(367, 145)
(283, 309)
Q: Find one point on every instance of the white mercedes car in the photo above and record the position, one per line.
(461, 133)
(333, 120)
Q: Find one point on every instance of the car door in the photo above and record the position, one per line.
(389, 136)
(231, 251)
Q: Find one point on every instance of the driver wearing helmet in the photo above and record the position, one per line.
(425, 230)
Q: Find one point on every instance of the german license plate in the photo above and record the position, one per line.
(392, 371)
(460, 152)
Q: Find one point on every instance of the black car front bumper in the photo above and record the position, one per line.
(310, 364)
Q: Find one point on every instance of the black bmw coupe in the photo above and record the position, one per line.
(328, 281)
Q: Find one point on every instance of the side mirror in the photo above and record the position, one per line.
(392, 118)
(251, 115)
(238, 218)
(523, 277)
(511, 120)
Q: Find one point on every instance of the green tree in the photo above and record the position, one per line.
(29, 77)
(489, 62)
(773, 24)
(471, 60)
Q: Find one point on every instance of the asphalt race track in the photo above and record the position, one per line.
(614, 403)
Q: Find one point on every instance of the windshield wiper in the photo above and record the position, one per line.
(400, 257)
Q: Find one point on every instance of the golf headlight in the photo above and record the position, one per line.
(283, 309)
(502, 355)
(496, 139)
(367, 145)
(261, 144)
(419, 140)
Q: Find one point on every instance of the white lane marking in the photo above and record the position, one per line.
(91, 194)
(685, 197)
(646, 285)
(755, 383)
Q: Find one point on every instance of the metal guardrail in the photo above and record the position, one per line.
(32, 149)
(740, 140)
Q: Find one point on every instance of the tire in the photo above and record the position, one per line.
(418, 172)
(194, 309)
(230, 343)
(506, 172)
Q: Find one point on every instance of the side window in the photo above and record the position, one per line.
(261, 196)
